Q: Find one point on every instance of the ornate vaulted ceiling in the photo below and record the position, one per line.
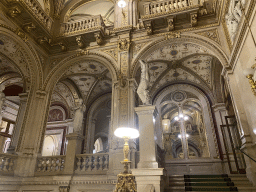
(180, 62)
(91, 79)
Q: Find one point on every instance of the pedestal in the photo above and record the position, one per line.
(149, 179)
(73, 148)
(147, 134)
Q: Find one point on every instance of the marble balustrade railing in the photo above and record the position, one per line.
(7, 162)
(87, 24)
(163, 7)
(54, 164)
(38, 12)
(92, 163)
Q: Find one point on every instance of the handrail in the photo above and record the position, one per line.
(246, 154)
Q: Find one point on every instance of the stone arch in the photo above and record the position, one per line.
(58, 71)
(30, 67)
(213, 48)
(90, 120)
(206, 107)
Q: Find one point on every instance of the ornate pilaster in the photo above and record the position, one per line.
(19, 120)
(31, 133)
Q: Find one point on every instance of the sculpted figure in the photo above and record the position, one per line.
(144, 83)
(78, 117)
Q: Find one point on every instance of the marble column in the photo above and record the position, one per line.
(19, 120)
(74, 147)
(147, 137)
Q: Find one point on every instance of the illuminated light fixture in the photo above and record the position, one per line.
(181, 117)
(249, 72)
(121, 3)
(126, 180)
(179, 136)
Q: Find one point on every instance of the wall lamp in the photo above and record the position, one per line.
(249, 73)
(121, 4)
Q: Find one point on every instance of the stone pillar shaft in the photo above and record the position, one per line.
(147, 137)
(74, 147)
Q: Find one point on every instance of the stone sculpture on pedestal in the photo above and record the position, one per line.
(144, 84)
(78, 117)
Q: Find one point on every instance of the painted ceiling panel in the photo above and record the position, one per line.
(176, 51)
(201, 65)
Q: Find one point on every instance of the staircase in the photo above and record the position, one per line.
(221, 183)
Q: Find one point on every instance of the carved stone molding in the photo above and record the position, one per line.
(14, 11)
(211, 34)
(79, 41)
(193, 19)
(170, 22)
(112, 52)
(99, 38)
(29, 27)
(124, 44)
(148, 27)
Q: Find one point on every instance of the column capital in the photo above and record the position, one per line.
(145, 109)
(74, 136)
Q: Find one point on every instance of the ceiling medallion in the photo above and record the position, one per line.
(179, 96)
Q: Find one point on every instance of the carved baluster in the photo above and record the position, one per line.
(96, 163)
(84, 163)
(49, 164)
(90, 163)
(171, 5)
(167, 6)
(78, 163)
(101, 161)
(153, 8)
(62, 160)
(39, 165)
(58, 164)
(179, 4)
(158, 8)
(175, 4)
(106, 162)
(54, 164)
(6, 163)
(44, 164)
(185, 3)
(11, 164)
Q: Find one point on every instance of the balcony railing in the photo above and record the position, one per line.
(84, 25)
(92, 163)
(152, 9)
(37, 11)
(50, 164)
(7, 162)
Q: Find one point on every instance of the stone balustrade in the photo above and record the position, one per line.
(92, 163)
(7, 162)
(38, 12)
(87, 24)
(50, 164)
(167, 6)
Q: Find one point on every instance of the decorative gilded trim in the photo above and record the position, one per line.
(211, 34)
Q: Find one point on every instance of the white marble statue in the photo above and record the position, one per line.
(78, 117)
(144, 83)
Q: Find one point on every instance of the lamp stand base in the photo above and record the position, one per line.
(125, 181)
